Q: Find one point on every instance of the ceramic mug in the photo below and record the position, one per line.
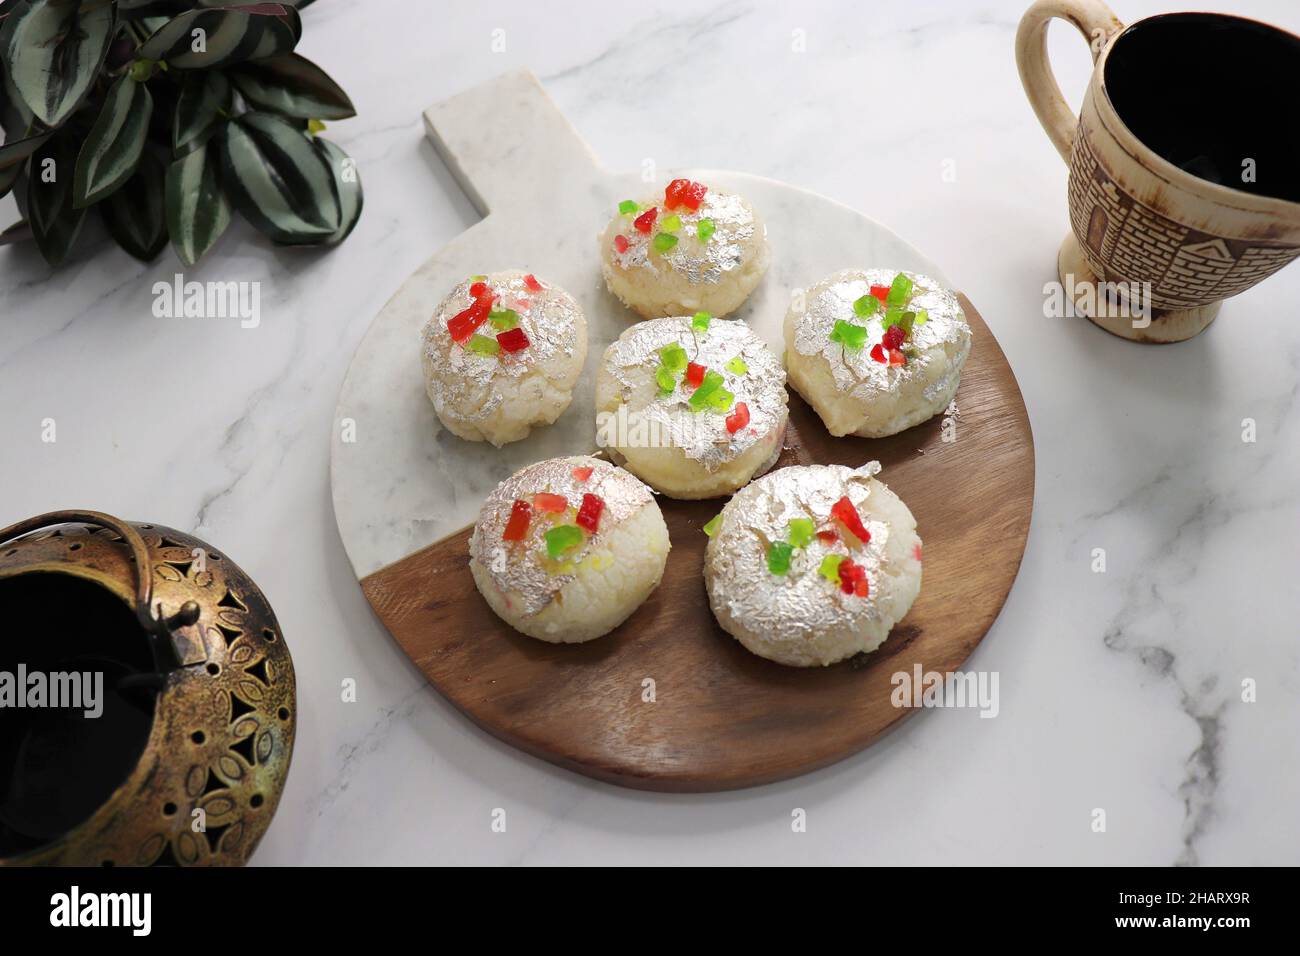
(1147, 215)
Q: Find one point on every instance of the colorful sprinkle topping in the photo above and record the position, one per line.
(548, 504)
(513, 340)
(800, 532)
(778, 557)
(582, 472)
(621, 243)
(683, 192)
(531, 283)
(674, 357)
(520, 517)
(627, 207)
(711, 526)
(851, 336)
(646, 221)
(900, 290)
(663, 242)
(589, 514)
(562, 539)
(868, 304)
(848, 516)
(482, 345)
(695, 374)
(738, 419)
(700, 321)
(737, 366)
(704, 229)
(671, 223)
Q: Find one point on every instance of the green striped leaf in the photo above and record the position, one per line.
(197, 210)
(54, 219)
(292, 85)
(198, 109)
(133, 214)
(112, 149)
(21, 231)
(54, 49)
(347, 188)
(14, 151)
(8, 176)
(278, 180)
(224, 36)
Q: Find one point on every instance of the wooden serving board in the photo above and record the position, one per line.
(720, 717)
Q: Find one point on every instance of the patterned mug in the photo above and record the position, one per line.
(1174, 220)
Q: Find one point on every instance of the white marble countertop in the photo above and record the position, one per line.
(1119, 690)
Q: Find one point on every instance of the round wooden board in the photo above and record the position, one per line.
(722, 718)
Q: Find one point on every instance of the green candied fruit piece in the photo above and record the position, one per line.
(720, 400)
(478, 278)
(627, 207)
(663, 242)
(900, 290)
(849, 335)
(671, 223)
(665, 379)
(562, 539)
(800, 531)
(704, 229)
(778, 557)
(700, 321)
(737, 366)
(712, 525)
(922, 317)
(866, 306)
(711, 383)
(674, 357)
(830, 568)
(483, 345)
(503, 319)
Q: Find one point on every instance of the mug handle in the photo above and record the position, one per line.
(1094, 20)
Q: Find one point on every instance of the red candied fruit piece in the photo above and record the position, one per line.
(896, 357)
(512, 340)
(531, 283)
(695, 374)
(881, 292)
(462, 324)
(683, 192)
(547, 503)
(646, 221)
(738, 419)
(847, 515)
(621, 243)
(894, 336)
(853, 578)
(827, 537)
(589, 513)
(916, 551)
(517, 526)
(478, 289)
(582, 472)
(878, 353)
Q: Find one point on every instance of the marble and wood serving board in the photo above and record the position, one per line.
(405, 489)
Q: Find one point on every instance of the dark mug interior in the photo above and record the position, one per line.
(1215, 95)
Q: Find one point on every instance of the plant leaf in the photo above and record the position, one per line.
(277, 178)
(347, 188)
(20, 231)
(228, 36)
(12, 153)
(55, 220)
(292, 85)
(133, 214)
(112, 149)
(54, 49)
(8, 176)
(146, 8)
(199, 106)
(197, 210)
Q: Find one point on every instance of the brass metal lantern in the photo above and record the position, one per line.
(186, 761)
